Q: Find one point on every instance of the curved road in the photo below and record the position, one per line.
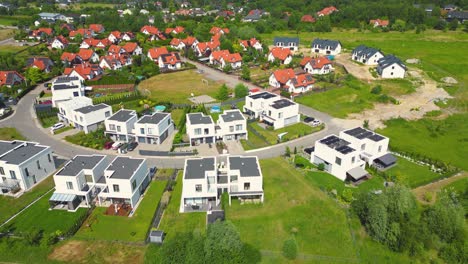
(24, 120)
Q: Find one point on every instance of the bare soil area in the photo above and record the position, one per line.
(357, 70)
(435, 187)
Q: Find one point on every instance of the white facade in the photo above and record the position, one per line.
(206, 179)
(66, 88)
(325, 69)
(326, 47)
(370, 147)
(391, 71)
(200, 128)
(154, 129)
(23, 164)
(82, 114)
(371, 61)
(231, 125)
(286, 61)
(57, 44)
(120, 125)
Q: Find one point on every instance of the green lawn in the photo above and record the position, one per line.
(10, 206)
(48, 121)
(95, 139)
(445, 140)
(395, 87)
(174, 222)
(61, 130)
(413, 174)
(458, 186)
(6, 49)
(39, 217)
(106, 227)
(176, 115)
(10, 133)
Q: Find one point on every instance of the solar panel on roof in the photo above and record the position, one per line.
(364, 135)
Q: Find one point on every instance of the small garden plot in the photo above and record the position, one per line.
(95, 139)
(413, 174)
(293, 132)
(10, 133)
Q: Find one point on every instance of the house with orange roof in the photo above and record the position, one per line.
(379, 22)
(233, 59)
(115, 36)
(67, 26)
(10, 78)
(251, 43)
(307, 19)
(154, 53)
(216, 55)
(294, 83)
(319, 65)
(97, 28)
(95, 43)
(88, 55)
(69, 58)
(132, 49)
(84, 33)
(127, 36)
(190, 42)
(115, 49)
(149, 30)
(176, 30)
(170, 61)
(59, 42)
(218, 30)
(177, 44)
(206, 48)
(282, 54)
(111, 62)
(41, 33)
(84, 71)
(42, 63)
(327, 11)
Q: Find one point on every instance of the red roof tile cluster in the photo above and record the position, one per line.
(97, 28)
(172, 58)
(280, 53)
(379, 23)
(176, 30)
(248, 43)
(85, 33)
(62, 39)
(130, 47)
(154, 53)
(304, 79)
(212, 45)
(218, 30)
(6, 77)
(327, 11)
(298, 80)
(316, 63)
(39, 31)
(97, 43)
(85, 54)
(188, 41)
(68, 56)
(150, 30)
(38, 64)
(308, 19)
(117, 34)
(218, 54)
(283, 76)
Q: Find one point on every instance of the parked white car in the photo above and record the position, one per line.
(117, 145)
(56, 127)
(315, 123)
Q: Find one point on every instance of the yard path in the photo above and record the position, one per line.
(412, 106)
(358, 71)
(436, 186)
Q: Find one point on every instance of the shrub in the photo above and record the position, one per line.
(290, 249)
(377, 89)
(321, 167)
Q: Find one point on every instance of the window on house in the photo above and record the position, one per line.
(81, 118)
(116, 188)
(380, 149)
(198, 187)
(393, 67)
(238, 127)
(133, 185)
(112, 127)
(231, 128)
(234, 178)
(353, 159)
(338, 161)
(363, 146)
(26, 171)
(142, 131)
(107, 114)
(207, 131)
(197, 131)
(38, 165)
(13, 175)
(119, 129)
(280, 115)
(246, 186)
(49, 157)
(269, 112)
(2, 171)
(70, 185)
(168, 122)
(251, 104)
(75, 94)
(150, 131)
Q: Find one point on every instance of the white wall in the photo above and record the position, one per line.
(91, 118)
(393, 71)
(125, 127)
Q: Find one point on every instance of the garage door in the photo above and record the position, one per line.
(290, 120)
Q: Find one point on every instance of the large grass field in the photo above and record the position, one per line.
(177, 87)
(6, 49)
(39, 217)
(6, 33)
(105, 227)
(413, 174)
(174, 222)
(445, 140)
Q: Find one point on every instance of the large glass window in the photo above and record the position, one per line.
(198, 187)
(70, 185)
(116, 188)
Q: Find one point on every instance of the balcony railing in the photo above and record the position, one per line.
(9, 184)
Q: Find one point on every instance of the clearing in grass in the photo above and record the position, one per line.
(177, 87)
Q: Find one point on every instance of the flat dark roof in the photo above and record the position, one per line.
(263, 95)
(156, 118)
(196, 168)
(232, 115)
(17, 152)
(199, 118)
(247, 166)
(361, 133)
(123, 115)
(124, 167)
(282, 103)
(79, 163)
(91, 108)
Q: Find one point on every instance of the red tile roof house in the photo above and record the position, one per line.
(95, 43)
(115, 36)
(307, 19)
(319, 65)
(41, 33)
(111, 62)
(234, 59)
(69, 59)
(42, 63)
(216, 55)
(206, 48)
(84, 71)
(88, 55)
(292, 82)
(217, 30)
(59, 42)
(97, 28)
(379, 23)
(170, 61)
(154, 53)
(84, 33)
(327, 11)
(176, 30)
(132, 48)
(127, 36)
(153, 32)
(282, 54)
(253, 42)
(115, 49)
(177, 44)
(10, 78)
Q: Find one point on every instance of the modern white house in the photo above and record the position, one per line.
(366, 55)
(206, 179)
(82, 114)
(391, 67)
(200, 129)
(231, 125)
(272, 109)
(346, 155)
(326, 46)
(23, 164)
(78, 182)
(154, 129)
(286, 42)
(119, 127)
(126, 179)
(319, 65)
(66, 88)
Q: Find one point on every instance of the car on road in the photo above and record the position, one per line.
(132, 146)
(108, 144)
(308, 119)
(117, 145)
(316, 122)
(56, 127)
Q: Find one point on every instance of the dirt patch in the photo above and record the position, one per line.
(412, 61)
(449, 80)
(412, 106)
(72, 251)
(435, 187)
(357, 70)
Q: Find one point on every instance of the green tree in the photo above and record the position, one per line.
(223, 93)
(290, 249)
(245, 74)
(241, 90)
(227, 68)
(287, 152)
(34, 75)
(223, 244)
(453, 25)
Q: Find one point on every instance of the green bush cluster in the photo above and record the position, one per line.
(117, 99)
(95, 139)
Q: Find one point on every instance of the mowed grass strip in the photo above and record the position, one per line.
(108, 227)
(174, 222)
(177, 87)
(10, 133)
(413, 174)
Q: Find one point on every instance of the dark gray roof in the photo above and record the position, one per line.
(389, 60)
(124, 167)
(47, 62)
(364, 51)
(64, 86)
(264, 95)
(91, 108)
(387, 159)
(361, 133)
(156, 118)
(199, 118)
(247, 166)
(232, 115)
(337, 144)
(65, 79)
(123, 115)
(282, 103)
(457, 14)
(323, 43)
(286, 40)
(196, 168)
(79, 163)
(17, 152)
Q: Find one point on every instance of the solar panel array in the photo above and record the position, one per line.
(281, 103)
(361, 133)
